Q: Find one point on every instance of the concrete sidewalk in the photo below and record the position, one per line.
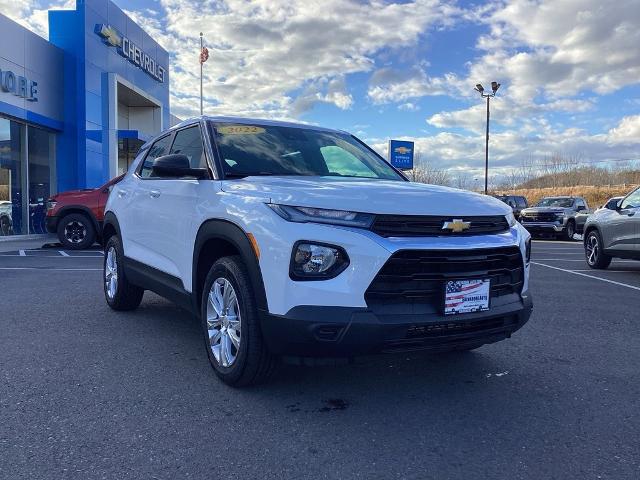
(25, 242)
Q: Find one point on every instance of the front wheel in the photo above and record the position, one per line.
(570, 230)
(119, 293)
(595, 256)
(76, 231)
(235, 346)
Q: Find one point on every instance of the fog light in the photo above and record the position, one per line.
(316, 261)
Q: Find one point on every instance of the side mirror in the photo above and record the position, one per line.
(176, 166)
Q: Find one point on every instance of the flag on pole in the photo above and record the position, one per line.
(204, 54)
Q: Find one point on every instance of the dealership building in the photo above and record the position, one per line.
(74, 109)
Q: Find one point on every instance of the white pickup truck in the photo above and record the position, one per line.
(294, 240)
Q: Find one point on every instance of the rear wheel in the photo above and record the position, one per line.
(76, 231)
(119, 293)
(596, 258)
(235, 346)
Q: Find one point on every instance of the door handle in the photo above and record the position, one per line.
(154, 193)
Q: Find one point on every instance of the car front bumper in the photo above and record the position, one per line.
(320, 331)
(51, 223)
(548, 227)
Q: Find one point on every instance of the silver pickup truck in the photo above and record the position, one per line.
(556, 216)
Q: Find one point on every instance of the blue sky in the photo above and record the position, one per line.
(569, 69)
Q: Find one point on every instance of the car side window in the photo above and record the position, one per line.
(158, 149)
(579, 203)
(521, 202)
(632, 200)
(189, 142)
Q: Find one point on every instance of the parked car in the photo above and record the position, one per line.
(295, 240)
(611, 204)
(614, 233)
(6, 224)
(516, 202)
(555, 216)
(76, 216)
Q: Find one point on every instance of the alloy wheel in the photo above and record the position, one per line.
(75, 232)
(111, 273)
(593, 249)
(224, 322)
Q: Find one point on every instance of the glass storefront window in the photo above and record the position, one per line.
(41, 156)
(27, 177)
(127, 151)
(11, 178)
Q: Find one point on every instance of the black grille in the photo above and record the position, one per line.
(539, 217)
(418, 277)
(431, 226)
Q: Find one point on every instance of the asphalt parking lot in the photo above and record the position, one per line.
(90, 393)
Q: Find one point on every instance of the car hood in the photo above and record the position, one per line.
(72, 193)
(366, 195)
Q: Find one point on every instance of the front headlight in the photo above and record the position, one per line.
(323, 215)
(511, 219)
(317, 261)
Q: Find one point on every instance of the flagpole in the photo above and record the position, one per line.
(201, 45)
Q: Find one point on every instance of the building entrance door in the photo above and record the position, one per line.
(127, 150)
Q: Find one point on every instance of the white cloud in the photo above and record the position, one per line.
(262, 52)
(627, 131)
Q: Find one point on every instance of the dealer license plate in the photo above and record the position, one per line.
(464, 296)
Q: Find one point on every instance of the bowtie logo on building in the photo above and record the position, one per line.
(456, 225)
(130, 51)
(110, 35)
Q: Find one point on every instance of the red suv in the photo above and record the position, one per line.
(77, 215)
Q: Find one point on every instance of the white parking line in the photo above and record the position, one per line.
(63, 253)
(609, 271)
(22, 254)
(56, 269)
(52, 256)
(588, 276)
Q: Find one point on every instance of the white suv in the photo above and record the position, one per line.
(298, 241)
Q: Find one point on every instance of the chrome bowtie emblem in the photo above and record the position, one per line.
(109, 34)
(456, 225)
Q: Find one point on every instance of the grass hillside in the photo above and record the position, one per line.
(595, 195)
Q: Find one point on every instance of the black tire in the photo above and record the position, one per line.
(76, 231)
(599, 260)
(126, 296)
(570, 231)
(253, 363)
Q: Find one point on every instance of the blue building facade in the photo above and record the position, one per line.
(74, 110)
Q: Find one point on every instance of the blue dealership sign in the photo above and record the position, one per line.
(401, 154)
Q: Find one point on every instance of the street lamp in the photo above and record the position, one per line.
(480, 89)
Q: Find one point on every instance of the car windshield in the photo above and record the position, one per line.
(248, 150)
(555, 202)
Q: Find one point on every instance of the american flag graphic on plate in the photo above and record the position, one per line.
(463, 296)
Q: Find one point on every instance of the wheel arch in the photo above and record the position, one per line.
(587, 230)
(217, 239)
(110, 227)
(82, 210)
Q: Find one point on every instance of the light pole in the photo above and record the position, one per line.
(480, 89)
